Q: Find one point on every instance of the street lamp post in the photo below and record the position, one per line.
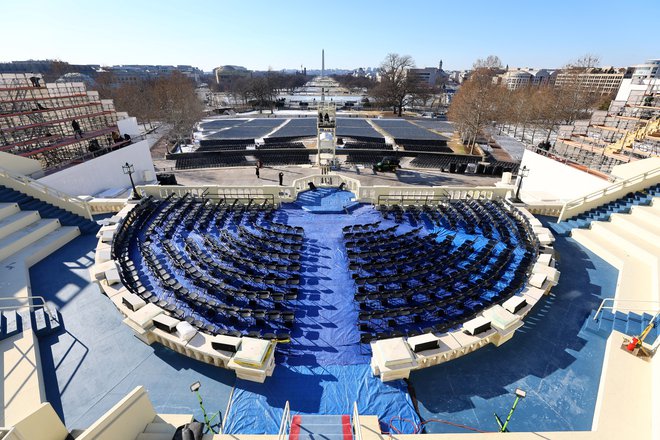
(129, 169)
(522, 173)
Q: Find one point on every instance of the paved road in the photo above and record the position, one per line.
(269, 176)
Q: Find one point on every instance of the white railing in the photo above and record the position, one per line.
(355, 423)
(363, 194)
(274, 194)
(610, 193)
(424, 194)
(326, 180)
(29, 305)
(45, 193)
(651, 309)
(102, 206)
(285, 423)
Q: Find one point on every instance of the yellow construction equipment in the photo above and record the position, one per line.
(651, 126)
(636, 342)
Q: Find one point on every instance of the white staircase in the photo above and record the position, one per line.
(25, 238)
(21, 229)
(631, 243)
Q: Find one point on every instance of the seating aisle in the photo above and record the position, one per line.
(323, 370)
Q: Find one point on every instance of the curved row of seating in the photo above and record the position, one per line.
(242, 285)
(413, 283)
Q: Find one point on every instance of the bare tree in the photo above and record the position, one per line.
(177, 104)
(396, 86)
(105, 85)
(261, 90)
(239, 91)
(586, 61)
(474, 106)
(491, 62)
(57, 69)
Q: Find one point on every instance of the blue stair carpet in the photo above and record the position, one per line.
(324, 427)
(603, 212)
(46, 210)
(331, 389)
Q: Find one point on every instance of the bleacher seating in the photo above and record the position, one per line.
(218, 144)
(445, 162)
(281, 144)
(433, 148)
(366, 158)
(210, 160)
(285, 157)
(227, 147)
(367, 146)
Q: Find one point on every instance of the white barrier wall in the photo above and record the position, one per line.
(551, 180)
(105, 172)
(128, 125)
(19, 165)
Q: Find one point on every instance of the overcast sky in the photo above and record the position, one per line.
(358, 33)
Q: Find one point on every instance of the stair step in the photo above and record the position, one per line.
(26, 236)
(153, 436)
(647, 213)
(327, 428)
(11, 323)
(601, 246)
(307, 436)
(40, 322)
(160, 428)
(321, 427)
(46, 210)
(628, 240)
(633, 328)
(637, 224)
(17, 221)
(7, 209)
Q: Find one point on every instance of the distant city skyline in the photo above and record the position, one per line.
(261, 35)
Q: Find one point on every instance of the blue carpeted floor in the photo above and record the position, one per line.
(332, 389)
(95, 361)
(552, 357)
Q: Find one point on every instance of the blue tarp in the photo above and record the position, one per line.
(323, 370)
(332, 389)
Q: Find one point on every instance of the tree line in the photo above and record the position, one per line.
(170, 99)
(480, 103)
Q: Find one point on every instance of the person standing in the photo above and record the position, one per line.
(281, 176)
(76, 129)
(256, 171)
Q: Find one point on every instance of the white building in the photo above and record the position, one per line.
(517, 78)
(645, 81)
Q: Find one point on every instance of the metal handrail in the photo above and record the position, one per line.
(29, 305)
(285, 423)
(617, 187)
(45, 189)
(614, 187)
(603, 306)
(355, 423)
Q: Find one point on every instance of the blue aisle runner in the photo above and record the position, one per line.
(322, 370)
(257, 408)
